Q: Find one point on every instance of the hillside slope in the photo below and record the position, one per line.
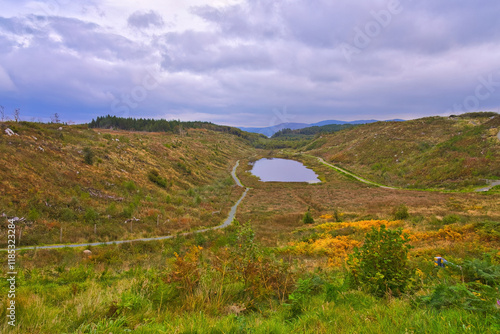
(94, 184)
(437, 152)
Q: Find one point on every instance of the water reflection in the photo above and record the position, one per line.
(283, 170)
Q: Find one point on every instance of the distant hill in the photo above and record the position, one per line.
(432, 152)
(271, 130)
(309, 132)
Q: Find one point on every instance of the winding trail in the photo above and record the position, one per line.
(224, 224)
(351, 174)
(487, 188)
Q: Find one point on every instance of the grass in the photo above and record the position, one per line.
(180, 286)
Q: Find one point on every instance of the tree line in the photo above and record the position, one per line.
(162, 125)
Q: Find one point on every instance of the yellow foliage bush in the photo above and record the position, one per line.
(361, 225)
(336, 248)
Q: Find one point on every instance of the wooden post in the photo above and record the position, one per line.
(20, 234)
(60, 237)
(157, 220)
(95, 228)
(131, 221)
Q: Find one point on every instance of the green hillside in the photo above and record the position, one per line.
(433, 152)
(89, 182)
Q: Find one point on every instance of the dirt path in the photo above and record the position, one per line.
(224, 224)
(343, 171)
(491, 185)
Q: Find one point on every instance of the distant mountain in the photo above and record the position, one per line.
(271, 130)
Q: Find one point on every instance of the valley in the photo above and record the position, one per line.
(191, 268)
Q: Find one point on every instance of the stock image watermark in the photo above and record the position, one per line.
(137, 94)
(486, 87)
(365, 34)
(11, 272)
(280, 117)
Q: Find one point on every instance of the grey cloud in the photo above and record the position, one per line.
(202, 52)
(143, 20)
(262, 55)
(253, 20)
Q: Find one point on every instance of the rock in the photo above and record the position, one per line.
(87, 252)
(60, 128)
(9, 132)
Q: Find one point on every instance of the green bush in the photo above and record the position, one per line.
(154, 176)
(128, 211)
(308, 218)
(381, 264)
(129, 185)
(90, 215)
(88, 156)
(482, 271)
(474, 297)
(401, 212)
(451, 219)
(34, 214)
(297, 299)
(67, 215)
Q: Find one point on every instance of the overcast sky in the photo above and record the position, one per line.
(249, 63)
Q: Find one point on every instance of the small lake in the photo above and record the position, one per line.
(283, 170)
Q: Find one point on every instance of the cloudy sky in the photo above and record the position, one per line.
(249, 63)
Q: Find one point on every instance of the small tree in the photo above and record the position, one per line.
(308, 218)
(55, 118)
(88, 156)
(381, 264)
(17, 114)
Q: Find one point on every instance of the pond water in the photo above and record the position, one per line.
(283, 170)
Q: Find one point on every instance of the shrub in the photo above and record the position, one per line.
(298, 298)
(381, 264)
(474, 297)
(482, 271)
(154, 176)
(34, 214)
(90, 215)
(451, 219)
(128, 211)
(308, 218)
(88, 156)
(401, 212)
(67, 215)
(129, 185)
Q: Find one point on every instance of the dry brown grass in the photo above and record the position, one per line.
(276, 209)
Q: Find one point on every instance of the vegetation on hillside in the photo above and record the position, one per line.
(433, 152)
(309, 132)
(162, 125)
(87, 184)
